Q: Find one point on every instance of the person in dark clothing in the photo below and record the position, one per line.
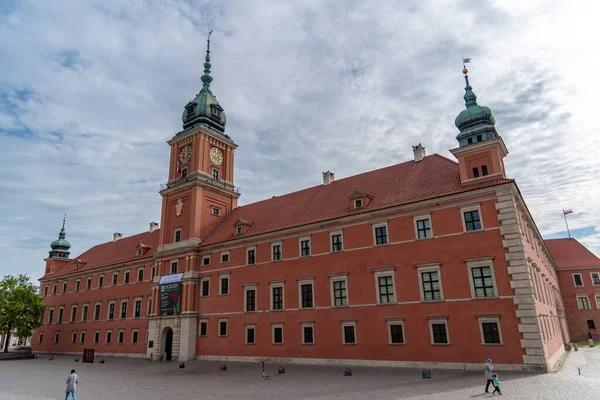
(489, 376)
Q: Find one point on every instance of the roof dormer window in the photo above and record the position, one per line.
(215, 111)
(358, 203)
(239, 230)
(191, 109)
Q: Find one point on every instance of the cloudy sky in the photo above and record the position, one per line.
(91, 91)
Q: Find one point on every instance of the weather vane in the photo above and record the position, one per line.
(466, 60)
(65, 218)
(210, 31)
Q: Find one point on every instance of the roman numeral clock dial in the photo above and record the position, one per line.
(216, 156)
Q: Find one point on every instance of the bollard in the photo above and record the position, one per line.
(263, 372)
(347, 372)
(76, 359)
(281, 370)
(223, 367)
(181, 365)
(102, 361)
(51, 358)
(426, 374)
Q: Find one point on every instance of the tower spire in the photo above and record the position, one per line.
(206, 78)
(61, 246)
(470, 98)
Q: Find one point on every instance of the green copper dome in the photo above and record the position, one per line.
(60, 247)
(476, 123)
(205, 108)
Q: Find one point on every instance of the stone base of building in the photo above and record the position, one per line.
(96, 355)
(556, 357)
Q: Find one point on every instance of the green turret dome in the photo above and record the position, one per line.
(60, 247)
(476, 123)
(205, 108)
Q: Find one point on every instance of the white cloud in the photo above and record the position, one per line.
(90, 92)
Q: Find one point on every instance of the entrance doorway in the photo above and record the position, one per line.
(168, 343)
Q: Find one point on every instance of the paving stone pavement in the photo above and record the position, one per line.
(130, 379)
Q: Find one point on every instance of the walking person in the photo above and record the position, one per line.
(496, 385)
(489, 376)
(72, 381)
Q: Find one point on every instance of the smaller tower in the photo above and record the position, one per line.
(481, 150)
(58, 256)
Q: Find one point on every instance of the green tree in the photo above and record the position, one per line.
(21, 308)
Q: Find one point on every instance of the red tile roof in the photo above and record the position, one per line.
(112, 253)
(569, 253)
(395, 185)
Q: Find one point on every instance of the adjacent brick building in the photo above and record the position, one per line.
(430, 262)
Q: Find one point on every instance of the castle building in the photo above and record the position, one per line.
(431, 262)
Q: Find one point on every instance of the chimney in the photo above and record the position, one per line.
(153, 226)
(117, 236)
(419, 152)
(328, 177)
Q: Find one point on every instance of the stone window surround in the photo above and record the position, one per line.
(200, 322)
(224, 253)
(226, 327)
(395, 321)
(473, 207)
(224, 275)
(175, 234)
(56, 337)
(138, 334)
(206, 279)
(276, 284)
(113, 275)
(50, 313)
(247, 287)
(382, 272)
(592, 278)
(74, 337)
(78, 284)
(421, 217)
(307, 324)
(98, 303)
(580, 277)
(430, 267)
(73, 316)
(127, 276)
(481, 319)
(331, 235)
(387, 233)
(339, 277)
(135, 300)
(175, 262)
(215, 210)
(349, 323)
(438, 320)
(40, 337)
(272, 253)
(61, 310)
(82, 336)
(303, 239)
(94, 341)
(108, 309)
(138, 274)
(277, 325)
(478, 263)
(205, 258)
(98, 284)
(246, 328)
(85, 306)
(247, 255)
(123, 301)
(306, 281)
(88, 283)
(578, 296)
(597, 297)
(119, 341)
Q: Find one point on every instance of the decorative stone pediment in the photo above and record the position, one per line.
(359, 200)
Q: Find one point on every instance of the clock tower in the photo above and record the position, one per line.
(200, 190)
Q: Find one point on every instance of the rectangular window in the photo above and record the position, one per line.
(127, 273)
(60, 315)
(77, 285)
(111, 311)
(277, 334)
(97, 312)
(73, 313)
(250, 334)
(84, 313)
(491, 333)
(56, 337)
(349, 333)
(306, 291)
(222, 327)
(431, 286)
(215, 174)
(358, 203)
(88, 285)
(250, 299)
(115, 279)
(423, 228)
(138, 309)
(308, 336)
(41, 339)
(439, 333)
(149, 306)
(276, 252)
(476, 172)
(100, 281)
(251, 256)
(577, 280)
(96, 337)
(595, 278)
(483, 283)
(381, 235)
(396, 333)
(203, 328)
(50, 316)
(153, 273)
(216, 211)
(484, 170)
(134, 336)
(225, 257)
(108, 337)
(141, 275)
(205, 260)
(173, 267)
(74, 337)
(239, 230)
(205, 287)
(64, 287)
(224, 287)
(82, 337)
(121, 337)
(45, 290)
(386, 289)
(340, 295)
(123, 309)
(583, 303)
(305, 247)
(336, 242)
(54, 289)
(472, 221)
(277, 295)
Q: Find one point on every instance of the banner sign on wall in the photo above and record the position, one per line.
(170, 294)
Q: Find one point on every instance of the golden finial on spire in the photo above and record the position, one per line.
(465, 61)
(209, 33)
(65, 218)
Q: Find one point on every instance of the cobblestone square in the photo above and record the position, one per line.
(42, 379)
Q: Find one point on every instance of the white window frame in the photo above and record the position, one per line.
(119, 341)
(221, 277)
(396, 321)
(175, 235)
(272, 254)
(387, 234)
(308, 325)
(98, 303)
(85, 306)
(205, 258)
(135, 300)
(74, 337)
(50, 313)
(247, 255)
(273, 285)
(138, 335)
(126, 273)
(108, 310)
(200, 322)
(592, 278)
(77, 285)
(331, 235)
(143, 273)
(56, 337)
(349, 323)
(439, 320)
(94, 341)
(88, 279)
(226, 320)
(481, 319)
(73, 318)
(277, 325)
(106, 337)
(577, 296)
(597, 297)
(98, 281)
(478, 263)
(356, 205)
(247, 287)
(382, 273)
(213, 170)
(225, 253)
(306, 281)
(113, 279)
(60, 318)
(463, 210)
(202, 280)
(239, 230)
(82, 339)
(335, 278)
(246, 328)
(581, 277)
(421, 217)
(433, 267)
(300, 240)
(40, 337)
(173, 261)
(216, 211)
(126, 301)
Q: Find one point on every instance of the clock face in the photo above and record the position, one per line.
(185, 155)
(216, 156)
